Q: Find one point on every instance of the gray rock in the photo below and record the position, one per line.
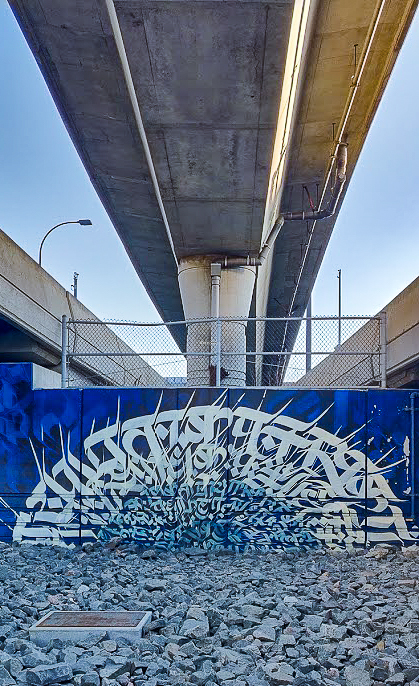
(91, 640)
(333, 631)
(224, 675)
(90, 679)
(33, 658)
(13, 665)
(313, 678)
(410, 673)
(196, 624)
(265, 632)
(215, 617)
(49, 674)
(287, 640)
(5, 678)
(279, 673)
(195, 552)
(155, 584)
(202, 677)
(356, 676)
(114, 671)
(396, 679)
(251, 610)
(313, 622)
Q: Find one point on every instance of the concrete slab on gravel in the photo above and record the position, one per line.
(69, 626)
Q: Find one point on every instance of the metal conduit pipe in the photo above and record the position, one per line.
(120, 46)
(317, 215)
(372, 28)
(269, 243)
(215, 289)
(341, 164)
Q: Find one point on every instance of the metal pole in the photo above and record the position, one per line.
(82, 222)
(64, 351)
(308, 336)
(75, 278)
(119, 42)
(215, 314)
(340, 308)
(218, 354)
(413, 395)
(383, 349)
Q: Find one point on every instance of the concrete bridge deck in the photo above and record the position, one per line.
(242, 104)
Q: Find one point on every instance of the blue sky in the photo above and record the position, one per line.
(42, 182)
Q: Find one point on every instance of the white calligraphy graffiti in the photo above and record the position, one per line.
(319, 478)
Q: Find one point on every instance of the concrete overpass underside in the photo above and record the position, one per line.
(242, 104)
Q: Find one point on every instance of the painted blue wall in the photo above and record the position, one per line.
(241, 469)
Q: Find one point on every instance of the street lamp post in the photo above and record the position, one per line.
(83, 222)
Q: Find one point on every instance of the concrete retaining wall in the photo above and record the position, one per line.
(33, 302)
(402, 333)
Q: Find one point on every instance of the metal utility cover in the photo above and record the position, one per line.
(69, 625)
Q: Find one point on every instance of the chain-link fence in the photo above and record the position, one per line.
(342, 352)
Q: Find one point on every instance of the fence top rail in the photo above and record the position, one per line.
(207, 320)
(225, 353)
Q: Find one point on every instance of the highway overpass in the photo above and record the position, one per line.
(200, 123)
(32, 304)
(401, 361)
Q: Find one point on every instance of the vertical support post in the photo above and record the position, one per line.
(74, 286)
(215, 289)
(64, 351)
(218, 353)
(308, 336)
(412, 456)
(383, 349)
(340, 307)
(215, 314)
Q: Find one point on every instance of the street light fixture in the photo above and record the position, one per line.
(82, 222)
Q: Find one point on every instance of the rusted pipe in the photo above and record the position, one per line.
(316, 215)
(340, 178)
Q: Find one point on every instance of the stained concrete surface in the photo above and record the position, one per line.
(208, 77)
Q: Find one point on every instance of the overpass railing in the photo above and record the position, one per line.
(345, 352)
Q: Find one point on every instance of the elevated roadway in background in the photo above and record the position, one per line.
(198, 122)
(32, 304)
(401, 360)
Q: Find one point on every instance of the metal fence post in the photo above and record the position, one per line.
(218, 353)
(413, 395)
(383, 348)
(308, 336)
(64, 351)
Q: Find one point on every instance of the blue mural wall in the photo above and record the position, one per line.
(239, 468)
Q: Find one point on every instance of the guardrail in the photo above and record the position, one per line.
(226, 352)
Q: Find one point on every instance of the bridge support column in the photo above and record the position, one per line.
(235, 296)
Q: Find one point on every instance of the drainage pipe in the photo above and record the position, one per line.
(340, 156)
(215, 289)
(317, 215)
(372, 28)
(119, 41)
(215, 314)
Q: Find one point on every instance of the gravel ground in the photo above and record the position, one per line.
(240, 620)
